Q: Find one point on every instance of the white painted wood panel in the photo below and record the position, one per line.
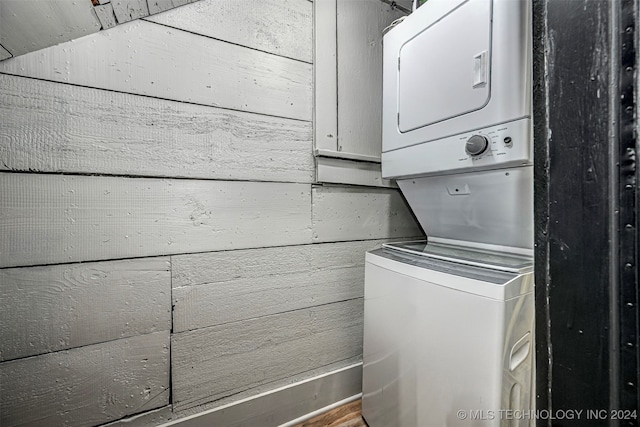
(105, 14)
(342, 171)
(46, 219)
(88, 385)
(281, 27)
(212, 267)
(4, 53)
(359, 58)
(350, 213)
(325, 76)
(212, 363)
(53, 127)
(221, 287)
(202, 306)
(144, 58)
(128, 10)
(26, 26)
(64, 306)
(157, 6)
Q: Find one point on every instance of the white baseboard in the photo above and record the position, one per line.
(284, 406)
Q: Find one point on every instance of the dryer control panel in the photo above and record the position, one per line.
(495, 147)
(452, 71)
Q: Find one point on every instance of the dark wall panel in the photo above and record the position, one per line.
(586, 204)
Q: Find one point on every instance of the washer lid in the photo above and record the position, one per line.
(485, 282)
(483, 258)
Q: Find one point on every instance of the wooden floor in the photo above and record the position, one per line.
(349, 415)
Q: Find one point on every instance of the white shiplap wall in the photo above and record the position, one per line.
(156, 192)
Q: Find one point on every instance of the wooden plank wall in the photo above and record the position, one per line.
(28, 26)
(164, 247)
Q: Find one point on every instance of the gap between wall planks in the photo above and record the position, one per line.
(212, 72)
(88, 385)
(154, 417)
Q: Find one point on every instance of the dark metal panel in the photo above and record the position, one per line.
(628, 213)
(578, 108)
(586, 222)
(541, 203)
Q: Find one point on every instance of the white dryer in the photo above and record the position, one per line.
(456, 124)
(457, 88)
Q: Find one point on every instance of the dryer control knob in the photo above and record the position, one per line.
(476, 145)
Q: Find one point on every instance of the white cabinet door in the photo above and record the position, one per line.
(348, 77)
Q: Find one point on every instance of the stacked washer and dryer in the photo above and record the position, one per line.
(449, 337)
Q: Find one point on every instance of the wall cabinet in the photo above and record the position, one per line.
(348, 86)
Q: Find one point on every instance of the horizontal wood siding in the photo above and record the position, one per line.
(214, 267)
(128, 10)
(64, 306)
(212, 363)
(106, 16)
(157, 185)
(53, 127)
(157, 6)
(351, 213)
(221, 287)
(149, 59)
(88, 385)
(281, 27)
(26, 26)
(47, 219)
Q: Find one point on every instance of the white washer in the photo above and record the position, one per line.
(447, 329)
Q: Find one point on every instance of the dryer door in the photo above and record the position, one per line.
(444, 71)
